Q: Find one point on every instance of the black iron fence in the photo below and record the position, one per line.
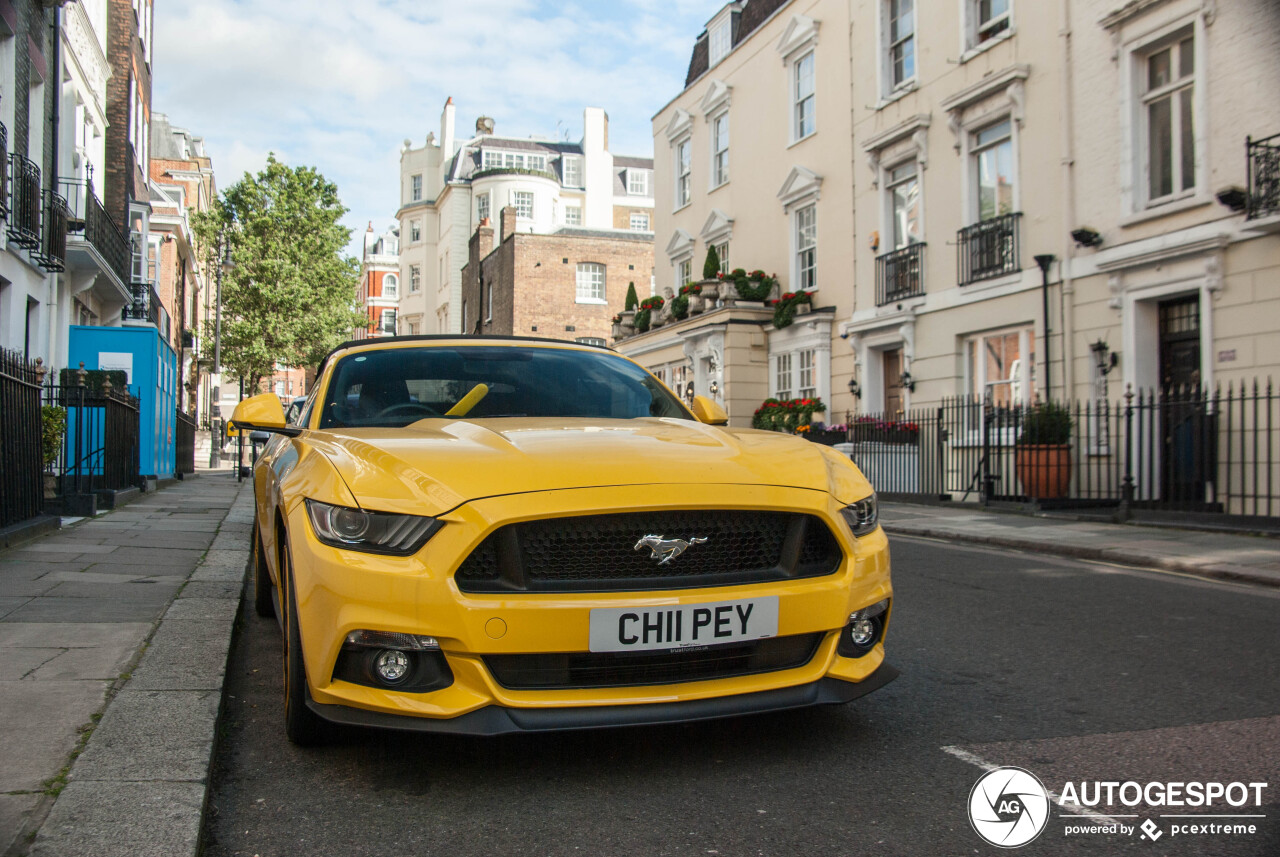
(100, 448)
(900, 274)
(146, 304)
(24, 208)
(4, 171)
(52, 255)
(988, 249)
(98, 227)
(21, 457)
(185, 443)
(1263, 165)
(1174, 450)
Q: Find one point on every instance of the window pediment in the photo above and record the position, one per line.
(718, 227)
(801, 34)
(680, 125)
(681, 244)
(717, 98)
(801, 184)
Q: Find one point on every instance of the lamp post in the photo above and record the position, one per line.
(225, 264)
(1044, 261)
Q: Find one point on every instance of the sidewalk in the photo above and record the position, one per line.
(1250, 559)
(113, 641)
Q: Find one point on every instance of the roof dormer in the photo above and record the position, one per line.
(720, 32)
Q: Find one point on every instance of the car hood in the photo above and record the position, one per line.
(435, 465)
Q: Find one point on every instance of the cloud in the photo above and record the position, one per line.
(339, 85)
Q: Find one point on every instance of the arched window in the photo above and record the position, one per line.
(390, 286)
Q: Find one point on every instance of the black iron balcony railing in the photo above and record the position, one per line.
(1263, 164)
(988, 249)
(900, 274)
(145, 305)
(52, 254)
(89, 218)
(24, 216)
(4, 173)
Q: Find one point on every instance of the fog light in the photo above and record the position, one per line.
(391, 665)
(863, 632)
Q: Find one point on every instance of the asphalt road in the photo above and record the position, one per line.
(1073, 670)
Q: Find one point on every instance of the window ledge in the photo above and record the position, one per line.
(682, 207)
(715, 188)
(983, 47)
(1173, 206)
(901, 92)
(800, 140)
(596, 301)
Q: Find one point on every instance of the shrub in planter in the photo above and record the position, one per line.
(641, 320)
(680, 306)
(53, 425)
(711, 266)
(754, 286)
(786, 415)
(632, 301)
(1043, 455)
(784, 311)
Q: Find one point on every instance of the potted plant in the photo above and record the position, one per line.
(680, 307)
(1042, 459)
(787, 415)
(641, 321)
(617, 326)
(784, 311)
(653, 306)
(755, 286)
(711, 267)
(693, 293)
(628, 313)
(53, 425)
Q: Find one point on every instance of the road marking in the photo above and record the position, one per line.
(973, 759)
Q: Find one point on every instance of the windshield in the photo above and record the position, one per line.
(399, 386)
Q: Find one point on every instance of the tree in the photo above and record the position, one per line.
(632, 300)
(711, 267)
(291, 296)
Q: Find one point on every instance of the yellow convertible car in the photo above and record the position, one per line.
(483, 535)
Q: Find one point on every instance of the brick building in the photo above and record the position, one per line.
(129, 43)
(567, 284)
(379, 291)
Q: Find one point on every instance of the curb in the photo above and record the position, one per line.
(1219, 571)
(140, 785)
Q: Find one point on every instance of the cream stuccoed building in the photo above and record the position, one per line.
(451, 185)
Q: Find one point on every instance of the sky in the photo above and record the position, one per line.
(341, 85)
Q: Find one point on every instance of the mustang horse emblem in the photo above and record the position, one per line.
(667, 549)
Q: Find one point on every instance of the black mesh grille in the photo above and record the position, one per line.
(626, 669)
(593, 553)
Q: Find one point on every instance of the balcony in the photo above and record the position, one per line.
(900, 274)
(988, 249)
(94, 238)
(146, 307)
(1263, 164)
(24, 214)
(52, 254)
(4, 173)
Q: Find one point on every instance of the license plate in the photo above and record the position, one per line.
(639, 629)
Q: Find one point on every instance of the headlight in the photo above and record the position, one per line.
(863, 516)
(373, 532)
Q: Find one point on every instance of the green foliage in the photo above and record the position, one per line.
(642, 320)
(632, 300)
(652, 302)
(755, 286)
(786, 415)
(291, 296)
(711, 267)
(680, 306)
(53, 425)
(1046, 423)
(784, 312)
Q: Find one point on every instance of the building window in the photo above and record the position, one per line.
(390, 286)
(900, 42)
(1168, 119)
(482, 207)
(535, 162)
(722, 251)
(590, 283)
(415, 230)
(638, 182)
(782, 376)
(903, 189)
(411, 328)
(415, 278)
(523, 201)
(808, 363)
(684, 273)
(807, 247)
(388, 325)
(993, 171)
(571, 167)
(803, 100)
(591, 340)
(639, 221)
(720, 150)
(415, 191)
(719, 41)
(573, 215)
(987, 19)
(999, 366)
(492, 159)
(683, 173)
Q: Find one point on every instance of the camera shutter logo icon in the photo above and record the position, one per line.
(1008, 807)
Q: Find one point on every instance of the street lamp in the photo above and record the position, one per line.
(1044, 261)
(225, 265)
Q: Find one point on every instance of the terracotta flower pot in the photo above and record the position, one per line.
(1044, 470)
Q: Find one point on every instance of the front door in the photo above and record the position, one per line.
(893, 398)
(1187, 430)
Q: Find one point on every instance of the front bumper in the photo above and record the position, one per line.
(498, 720)
(341, 591)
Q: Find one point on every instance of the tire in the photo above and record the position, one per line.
(302, 726)
(262, 604)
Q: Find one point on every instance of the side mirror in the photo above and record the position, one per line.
(707, 411)
(262, 413)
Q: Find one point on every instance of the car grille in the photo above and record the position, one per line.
(596, 553)
(627, 669)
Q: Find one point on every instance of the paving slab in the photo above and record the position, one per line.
(91, 819)
(16, 664)
(70, 635)
(176, 557)
(172, 741)
(15, 810)
(101, 663)
(50, 610)
(42, 721)
(11, 604)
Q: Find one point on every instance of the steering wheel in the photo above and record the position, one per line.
(417, 407)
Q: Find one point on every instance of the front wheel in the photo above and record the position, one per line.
(302, 725)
